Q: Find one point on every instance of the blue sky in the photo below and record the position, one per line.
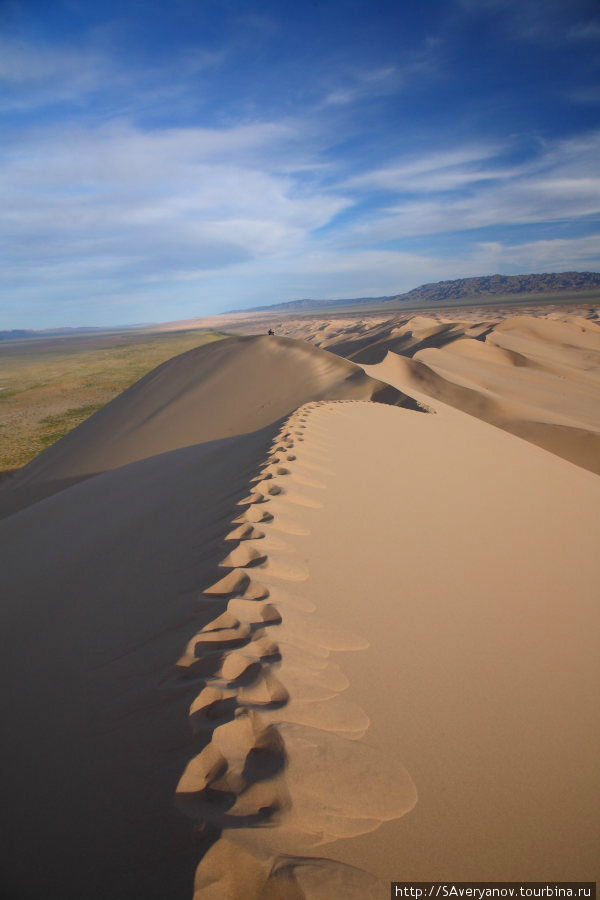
(162, 160)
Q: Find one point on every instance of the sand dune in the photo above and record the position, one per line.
(537, 377)
(290, 643)
(368, 340)
(215, 391)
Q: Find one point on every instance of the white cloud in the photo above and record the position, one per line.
(37, 75)
(22, 63)
(448, 194)
(431, 172)
(81, 205)
(360, 85)
(555, 255)
(349, 85)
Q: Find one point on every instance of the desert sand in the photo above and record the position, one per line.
(296, 616)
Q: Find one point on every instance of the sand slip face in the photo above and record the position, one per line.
(426, 710)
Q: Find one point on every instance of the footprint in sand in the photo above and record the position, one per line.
(254, 497)
(224, 632)
(231, 782)
(275, 489)
(223, 637)
(243, 557)
(264, 476)
(254, 514)
(254, 612)
(232, 583)
(245, 533)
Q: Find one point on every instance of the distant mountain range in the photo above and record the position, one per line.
(460, 288)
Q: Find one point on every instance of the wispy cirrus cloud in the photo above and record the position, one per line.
(151, 202)
(357, 86)
(447, 193)
(543, 21)
(354, 84)
(430, 172)
(86, 75)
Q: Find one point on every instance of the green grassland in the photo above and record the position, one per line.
(48, 386)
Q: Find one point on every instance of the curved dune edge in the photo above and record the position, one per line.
(284, 755)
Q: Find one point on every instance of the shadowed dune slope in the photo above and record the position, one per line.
(101, 587)
(234, 386)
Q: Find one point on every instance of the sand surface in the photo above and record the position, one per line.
(268, 638)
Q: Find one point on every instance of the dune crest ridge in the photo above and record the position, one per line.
(285, 757)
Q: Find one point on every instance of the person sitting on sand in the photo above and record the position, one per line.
(270, 331)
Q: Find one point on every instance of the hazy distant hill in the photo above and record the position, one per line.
(487, 285)
(16, 334)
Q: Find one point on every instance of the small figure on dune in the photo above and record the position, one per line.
(270, 331)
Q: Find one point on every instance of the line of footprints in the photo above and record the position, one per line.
(235, 780)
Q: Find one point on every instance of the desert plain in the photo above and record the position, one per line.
(297, 615)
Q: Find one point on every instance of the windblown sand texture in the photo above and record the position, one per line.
(268, 638)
